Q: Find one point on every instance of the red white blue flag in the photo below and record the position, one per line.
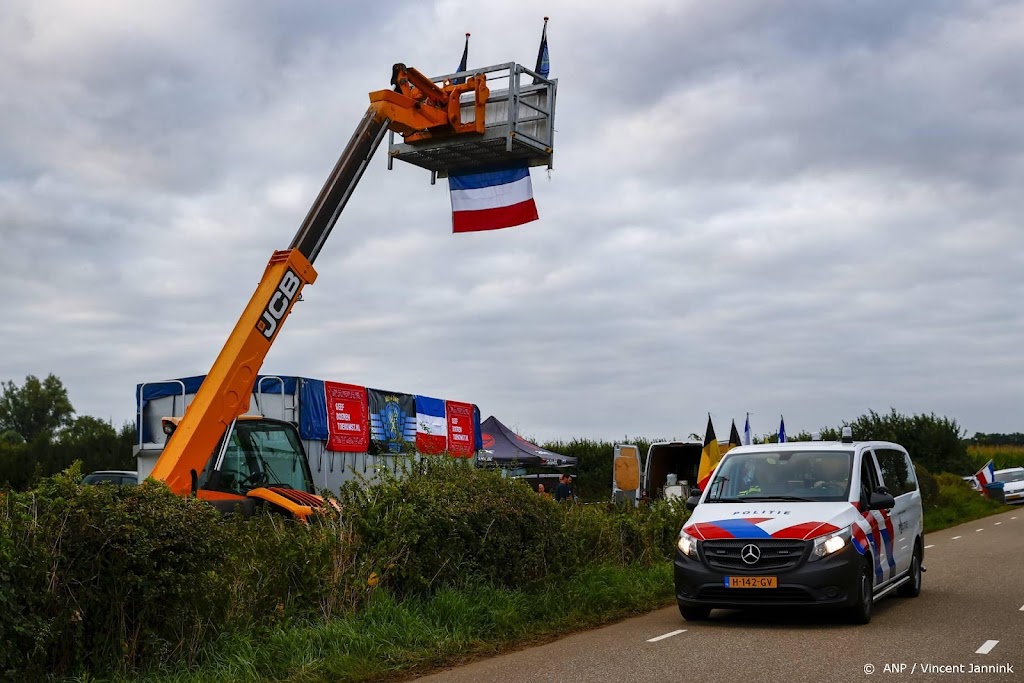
(986, 475)
(489, 199)
(431, 426)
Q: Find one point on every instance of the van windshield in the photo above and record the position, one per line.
(820, 476)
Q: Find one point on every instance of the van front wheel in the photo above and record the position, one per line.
(860, 612)
(912, 588)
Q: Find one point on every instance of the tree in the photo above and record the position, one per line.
(935, 442)
(36, 409)
(96, 444)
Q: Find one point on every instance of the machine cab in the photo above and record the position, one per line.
(259, 461)
(258, 452)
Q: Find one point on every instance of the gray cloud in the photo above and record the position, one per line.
(810, 211)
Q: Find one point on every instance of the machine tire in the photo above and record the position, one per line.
(860, 612)
(912, 588)
(695, 613)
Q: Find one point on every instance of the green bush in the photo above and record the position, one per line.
(624, 534)
(276, 569)
(956, 503)
(935, 442)
(105, 576)
(445, 523)
(928, 485)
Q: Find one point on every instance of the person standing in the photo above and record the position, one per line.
(564, 489)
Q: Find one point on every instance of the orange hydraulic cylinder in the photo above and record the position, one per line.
(227, 388)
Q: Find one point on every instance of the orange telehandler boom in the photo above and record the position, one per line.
(213, 432)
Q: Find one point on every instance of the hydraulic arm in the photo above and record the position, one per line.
(416, 108)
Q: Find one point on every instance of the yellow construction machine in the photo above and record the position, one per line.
(217, 452)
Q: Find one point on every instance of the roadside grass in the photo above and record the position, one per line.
(957, 503)
(391, 638)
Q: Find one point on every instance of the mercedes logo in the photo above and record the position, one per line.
(750, 553)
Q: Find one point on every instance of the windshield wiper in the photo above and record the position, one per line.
(726, 500)
(795, 499)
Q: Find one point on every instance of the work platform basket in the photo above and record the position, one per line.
(520, 125)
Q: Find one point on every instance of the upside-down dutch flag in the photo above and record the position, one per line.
(491, 198)
(986, 475)
(431, 426)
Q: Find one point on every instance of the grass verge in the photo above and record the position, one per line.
(391, 639)
(956, 503)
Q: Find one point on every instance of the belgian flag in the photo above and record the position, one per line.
(709, 456)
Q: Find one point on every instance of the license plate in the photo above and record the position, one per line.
(751, 582)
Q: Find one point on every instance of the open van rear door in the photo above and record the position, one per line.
(626, 474)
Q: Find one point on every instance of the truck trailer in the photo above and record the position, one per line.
(283, 402)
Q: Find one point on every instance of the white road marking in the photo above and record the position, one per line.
(1013, 518)
(998, 523)
(981, 529)
(1022, 609)
(669, 635)
(929, 546)
(956, 537)
(987, 647)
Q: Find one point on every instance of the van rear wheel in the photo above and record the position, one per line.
(695, 613)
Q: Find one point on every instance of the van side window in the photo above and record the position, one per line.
(868, 476)
(897, 476)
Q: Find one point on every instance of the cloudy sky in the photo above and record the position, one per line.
(798, 209)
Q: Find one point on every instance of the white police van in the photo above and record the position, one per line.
(803, 523)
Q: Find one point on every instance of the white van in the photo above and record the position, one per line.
(803, 523)
(668, 471)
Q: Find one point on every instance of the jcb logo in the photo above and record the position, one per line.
(279, 304)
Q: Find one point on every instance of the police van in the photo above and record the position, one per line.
(812, 523)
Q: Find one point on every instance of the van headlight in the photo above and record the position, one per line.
(687, 545)
(830, 544)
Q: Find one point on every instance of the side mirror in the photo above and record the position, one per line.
(881, 500)
(694, 498)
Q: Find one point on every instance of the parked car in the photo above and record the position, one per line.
(1013, 484)
(831, 524)
(121, 477)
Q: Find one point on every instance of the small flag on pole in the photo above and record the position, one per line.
(489, 199)
(734, 437)
(782, 430)
(543, 64)
(709, 457)
(986, 475)
(747, 436)
(462, 64)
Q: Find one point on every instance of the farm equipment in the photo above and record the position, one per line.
(214, 450)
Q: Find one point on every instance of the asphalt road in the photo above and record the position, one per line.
(970, 614)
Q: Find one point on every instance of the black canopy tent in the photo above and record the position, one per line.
(505, 448)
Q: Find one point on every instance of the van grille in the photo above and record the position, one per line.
(776, 554)
(722, 594)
